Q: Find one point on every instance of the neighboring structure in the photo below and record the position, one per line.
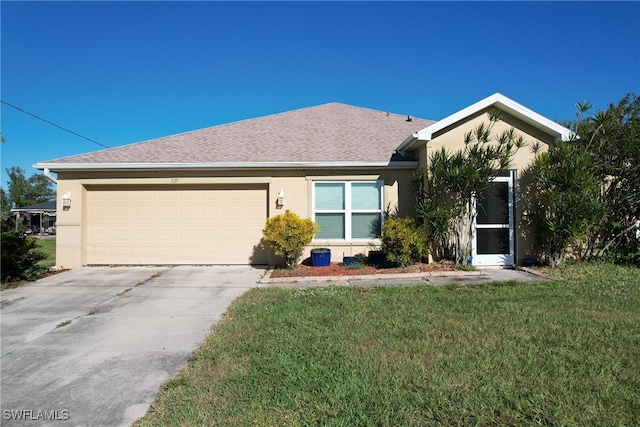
(202, 197)
(37, 219)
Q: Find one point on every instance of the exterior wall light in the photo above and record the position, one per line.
(66, 201)
(280, 199)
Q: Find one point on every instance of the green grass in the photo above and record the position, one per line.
(48, 246)
(552, 353)
(63, 324)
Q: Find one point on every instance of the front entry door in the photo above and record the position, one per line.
(494, 228)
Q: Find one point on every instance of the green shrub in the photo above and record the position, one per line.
(287, 235)
(403, 241)
(20, 257)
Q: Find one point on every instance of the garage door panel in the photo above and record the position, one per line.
(144, 234)
(100, 213)
(188, 213)
(122, 234)
(122, 214)
(98, 234)
(166, 234)
(143, 213)
(190, 234)
(234, 213)
(144, 254)
(204, 225)
(211, 234)
(167, 213)
(231, 234)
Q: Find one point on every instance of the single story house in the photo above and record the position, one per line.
(39, 218)
(203, 197)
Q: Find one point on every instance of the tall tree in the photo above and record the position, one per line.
(563, 201)
(24, 191)
(586, 192)
(612, 139)
(4, 201)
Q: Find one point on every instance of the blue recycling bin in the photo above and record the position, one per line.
(321, 257)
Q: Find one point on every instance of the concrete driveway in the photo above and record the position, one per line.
(131, 329)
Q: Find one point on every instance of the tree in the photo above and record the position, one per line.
(20, 254)
(586, 196)
(27, 191)
(612, 140)
(449, 183)
(5, 208)
(20, 257)
(4, 201)
(563, 201)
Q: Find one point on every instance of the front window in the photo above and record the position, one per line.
(348, 210)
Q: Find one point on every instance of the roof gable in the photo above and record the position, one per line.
(500, 102)
(331, 133)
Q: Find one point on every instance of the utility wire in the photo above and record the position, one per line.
(53, 124)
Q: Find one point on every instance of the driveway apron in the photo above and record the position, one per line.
(92, 346)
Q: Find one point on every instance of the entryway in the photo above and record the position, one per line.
(493, 244)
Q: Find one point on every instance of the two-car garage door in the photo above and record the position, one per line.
(175, 224)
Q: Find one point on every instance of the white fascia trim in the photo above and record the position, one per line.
(225, 166)
(501, 102)
(407, 143)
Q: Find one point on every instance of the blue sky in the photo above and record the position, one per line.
(123, 72)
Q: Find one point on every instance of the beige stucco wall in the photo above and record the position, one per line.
(69, 224)
(295, 184)
(297, 187)
(453, 139)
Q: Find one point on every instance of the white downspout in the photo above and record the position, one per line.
(47, 173)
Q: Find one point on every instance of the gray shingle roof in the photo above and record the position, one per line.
(49, 205)
(331, 132)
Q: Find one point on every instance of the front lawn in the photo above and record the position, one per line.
(551, 353)
(48, 246)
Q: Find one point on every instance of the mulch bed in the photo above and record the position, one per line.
(337, 269)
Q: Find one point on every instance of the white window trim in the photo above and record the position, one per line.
(348, 211)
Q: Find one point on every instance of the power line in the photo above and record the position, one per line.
(53, 124)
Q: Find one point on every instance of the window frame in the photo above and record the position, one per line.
(348, 211)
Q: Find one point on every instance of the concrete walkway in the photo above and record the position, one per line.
(131, 329)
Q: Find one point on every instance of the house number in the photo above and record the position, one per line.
(174, 180)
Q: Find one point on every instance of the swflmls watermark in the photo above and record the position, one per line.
(35, 415)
